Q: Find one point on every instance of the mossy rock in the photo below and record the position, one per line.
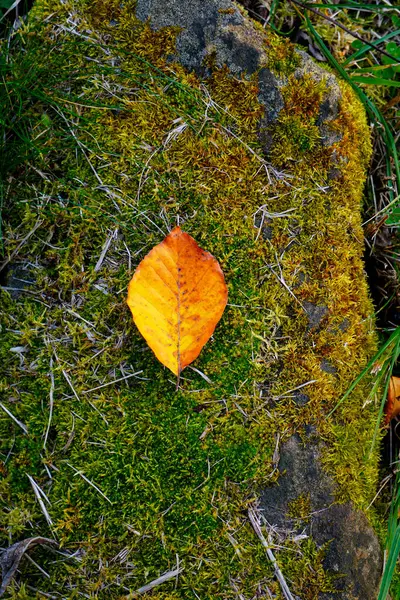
(262, 158)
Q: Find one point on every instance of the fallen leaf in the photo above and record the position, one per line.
(177, 296)
(392, 408)
(11, 557)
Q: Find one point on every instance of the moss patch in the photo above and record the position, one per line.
(138, 475)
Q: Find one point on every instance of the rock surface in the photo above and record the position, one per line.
(352, 551)
(217, 29)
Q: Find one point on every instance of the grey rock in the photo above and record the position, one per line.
(206, 29)
(344, 325)
(269, 94)
(329, 108)
(315, 313)
(300, 399)
(328, 367)
(352, 550)
(217, 29)
(302, 475)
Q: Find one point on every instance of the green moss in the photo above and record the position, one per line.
(304, 567)
(300, 508)
(282, 56)
(177, 469)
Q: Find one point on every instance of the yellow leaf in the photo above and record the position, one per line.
(177, 296)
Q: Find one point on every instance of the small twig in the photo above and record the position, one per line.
(84, 151)
(68, 379)
(149, 586)
(341, 26)
(129, 257)
(37, 566)
(116, 381)
(41, 593)
(23, 427)
(268, 167)
(234, 587)
(39, 493)
(144, 172)
(105, 250)
(89, 482)
(269, 215)
(51, 403)
(384, 483)
(78, 316)
(281, 279)
(289, 392)
(13, 6)
(203, 375)
(279, 575)
(17, 249)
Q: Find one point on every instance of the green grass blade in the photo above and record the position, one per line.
(366, 48)
(371, 108)
(375, 81)
(352, 5)
(394, 338)
(394, 512)
(390, 566)
(394, 357)
(374, 68)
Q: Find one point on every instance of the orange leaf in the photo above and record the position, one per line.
(392, 408)
(177, 296)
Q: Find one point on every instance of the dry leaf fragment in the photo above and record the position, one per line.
(11, 557)
(177, 296)
(392, 408)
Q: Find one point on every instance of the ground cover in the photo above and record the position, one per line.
(109, 145)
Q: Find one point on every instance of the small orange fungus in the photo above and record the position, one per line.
(177, 296)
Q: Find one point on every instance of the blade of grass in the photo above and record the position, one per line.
(394, 511)
(390, 566)
(375, 81)
(394, 338)
(394, 357)
(341, 26)
(354, 5)
(368, 48)
(371, 108)
(373, 69)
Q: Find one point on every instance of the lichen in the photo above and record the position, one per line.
(121, 147)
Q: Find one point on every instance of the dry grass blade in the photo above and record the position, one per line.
(40, 495)
(18, 248)
(105, 248)
(51, 404)
(156, 582)
(346, 29)
(94, 486)
(99, 387)
(9, 413)
(255, 521)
